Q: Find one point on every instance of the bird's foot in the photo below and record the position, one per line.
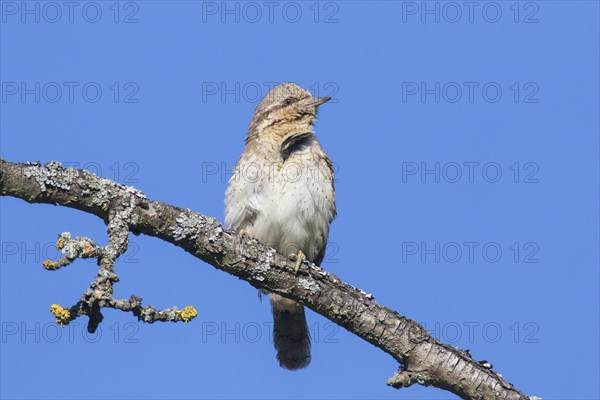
(300, 258)
(244, 233)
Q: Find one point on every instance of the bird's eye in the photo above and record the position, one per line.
(288, 101)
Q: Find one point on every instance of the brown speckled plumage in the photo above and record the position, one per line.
(282, 193)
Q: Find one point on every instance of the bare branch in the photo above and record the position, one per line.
(424, 359)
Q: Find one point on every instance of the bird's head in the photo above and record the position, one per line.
(286, 108)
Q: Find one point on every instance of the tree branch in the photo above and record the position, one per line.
(424, 359)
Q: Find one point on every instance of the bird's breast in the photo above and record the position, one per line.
(295, 203)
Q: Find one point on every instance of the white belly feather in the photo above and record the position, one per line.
(289, 207)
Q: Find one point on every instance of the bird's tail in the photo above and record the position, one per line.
(290, 333)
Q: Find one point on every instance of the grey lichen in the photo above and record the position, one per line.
(188, 226)
(135, 192)
(265, 264)
(81, 247)
(215, 234)
(101, 197)
(70, 248)
(309, 285)
(51, 175)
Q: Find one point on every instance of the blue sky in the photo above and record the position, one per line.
(465, 142)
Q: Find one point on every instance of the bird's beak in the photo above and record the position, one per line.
(317, 101)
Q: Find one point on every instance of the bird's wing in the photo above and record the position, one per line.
(242, 200)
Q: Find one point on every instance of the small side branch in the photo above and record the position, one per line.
(404, 378)
(100, 293)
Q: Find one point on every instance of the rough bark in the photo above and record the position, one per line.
(423, 359)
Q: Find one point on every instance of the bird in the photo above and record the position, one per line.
(282, 193)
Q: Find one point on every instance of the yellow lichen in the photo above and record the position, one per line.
(60, 243)
(62, 314)
(87, 248)
(49, 264)
(188, 313)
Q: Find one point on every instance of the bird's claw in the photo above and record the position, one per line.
(300, 258)
(245, 234)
